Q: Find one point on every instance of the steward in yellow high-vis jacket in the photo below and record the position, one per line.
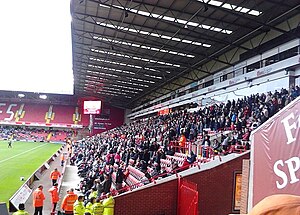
(21, 210)
(109, 205)
(97, 208)
(78, 207)
(89, 205)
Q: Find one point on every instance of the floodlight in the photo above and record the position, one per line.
(43, 97)
(21, 95)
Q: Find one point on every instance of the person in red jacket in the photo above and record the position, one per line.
(54, 197)
(68, 202)
(54, 175)
(38, 200)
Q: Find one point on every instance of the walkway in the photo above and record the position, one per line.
(70, 179)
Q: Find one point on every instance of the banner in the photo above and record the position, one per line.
(21, 196)
(276, 155)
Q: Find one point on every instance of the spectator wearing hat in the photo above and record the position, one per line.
(21, 210)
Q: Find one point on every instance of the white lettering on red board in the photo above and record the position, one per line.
(290, 127)
(293, 165)
(286, 170)
(8, 111)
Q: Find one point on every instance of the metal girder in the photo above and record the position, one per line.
(131, 54)
(198, 15)
(235, 13)
(122, 47)
(219, 41)
(178, 30)
(125, 60)
(153, 42)
(114, 66)
(218, 66)
(199, 36)
(170, 23)
(138, 84)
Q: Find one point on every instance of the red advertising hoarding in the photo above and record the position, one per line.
(275, 166)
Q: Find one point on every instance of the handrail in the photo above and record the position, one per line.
(152, 179)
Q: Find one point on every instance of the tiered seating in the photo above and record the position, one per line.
(181, 155)
(133, 182)
(136, 173)
(230, 132)
(63, 114)
(34, 113)
(179, 158)
(59, 136)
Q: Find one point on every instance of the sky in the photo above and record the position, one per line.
(35, 46)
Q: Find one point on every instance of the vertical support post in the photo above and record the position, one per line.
(178, 195)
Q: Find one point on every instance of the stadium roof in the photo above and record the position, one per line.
(128, 52)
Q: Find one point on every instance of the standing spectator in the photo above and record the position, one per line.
(78, 208)
(205, 146)
(106, 183)
(182, 142)
(68, 202)
(119, 178)
(54, 197)
(38, 200)
(21, 210)
(62, 159)
(54, 175)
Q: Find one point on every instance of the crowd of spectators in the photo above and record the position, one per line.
(107, 159)
(19, 133)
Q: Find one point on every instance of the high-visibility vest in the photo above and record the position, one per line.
(68, 202)
(38, 198)
(54, 194)
(97, 208)
(93, 194)
(21, 212)
(182, 141)
(89, 207)
(62, 157)
(108, 205)
(55, 174)
(78, 208)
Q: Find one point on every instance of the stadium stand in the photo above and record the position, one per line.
(146, 157)
(35, 134)
(40, 115)
(34, 113)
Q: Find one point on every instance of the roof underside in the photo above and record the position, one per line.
(125, 50)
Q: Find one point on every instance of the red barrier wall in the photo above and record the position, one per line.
(156, 200)
(215, 187)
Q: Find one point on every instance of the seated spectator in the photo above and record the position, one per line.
(225, 143)
(191, 158)
(216, 146)
(170, 150)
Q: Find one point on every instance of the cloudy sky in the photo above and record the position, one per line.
(35, 46)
